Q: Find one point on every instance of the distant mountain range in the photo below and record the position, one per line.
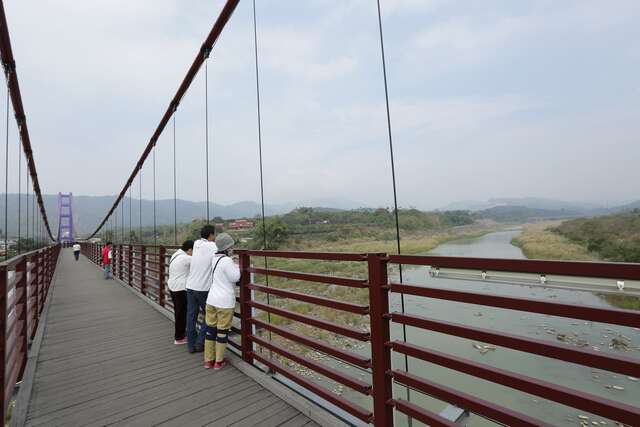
(89, 210)
(586, 208)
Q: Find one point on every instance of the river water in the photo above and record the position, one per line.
(573, 332)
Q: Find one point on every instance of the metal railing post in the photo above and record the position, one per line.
(161, 279)
(129, 264)
(23, 334)
(245, 308)
(39, 282)
(143, 268)
(380, 354)
(120, 260)
(3, 339)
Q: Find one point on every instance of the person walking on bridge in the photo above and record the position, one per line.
(179, 266)
(221, 302)
(198, 284)
(76, 250)
(107, 256)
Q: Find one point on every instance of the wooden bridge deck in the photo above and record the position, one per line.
(108, 358)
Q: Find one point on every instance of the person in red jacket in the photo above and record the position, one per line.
(107, 255)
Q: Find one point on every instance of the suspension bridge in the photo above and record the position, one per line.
(81, 351)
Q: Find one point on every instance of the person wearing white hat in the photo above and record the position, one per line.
(221, 302)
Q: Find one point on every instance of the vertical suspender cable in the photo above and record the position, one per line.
(393, 176)
(27, 207)
(175, 191)
(155, 232)
(206, 125)
(33, 214)
(130, 215)
(19, 193)
(122, 222)
(140, 209)
(259, 112)
(6, 186)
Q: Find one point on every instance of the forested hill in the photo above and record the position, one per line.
(611, 237)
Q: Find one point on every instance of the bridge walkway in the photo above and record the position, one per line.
(108, 358)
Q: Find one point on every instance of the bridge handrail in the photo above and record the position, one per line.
(22, 299)
(261, 341)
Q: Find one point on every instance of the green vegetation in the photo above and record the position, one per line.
(611, 237)
(538, 241)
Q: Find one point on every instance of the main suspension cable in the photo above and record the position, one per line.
(393, 177)
(222, 20)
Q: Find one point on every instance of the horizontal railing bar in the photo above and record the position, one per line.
(234, 344)
(326, 302)
(322, 256)
(610, 362)
(577, 399)
(353, 409)
(471, 403)
(422, 415)
(610, 270)
(323, 324)
(349, 381)
(615, 316)
(308, 277)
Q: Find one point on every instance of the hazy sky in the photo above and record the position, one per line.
(488, 98)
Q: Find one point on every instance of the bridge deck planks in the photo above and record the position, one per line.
(107, 358)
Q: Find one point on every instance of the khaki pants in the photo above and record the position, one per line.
(218, 324)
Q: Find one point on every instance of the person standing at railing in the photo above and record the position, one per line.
(179, 266)
(76, 250)
(221, 302)
(107, 256)
(198, 284)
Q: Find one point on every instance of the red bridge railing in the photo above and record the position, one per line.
(24, 287)
(276, 333)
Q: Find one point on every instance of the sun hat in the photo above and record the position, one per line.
(224, 242)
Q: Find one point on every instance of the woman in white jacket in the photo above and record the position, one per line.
(221, 302)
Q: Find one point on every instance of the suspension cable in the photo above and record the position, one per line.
(19, 194)
(6, 186)
(122, 221)
(130, 215)
(206, 123)
(212, 37)
(155, 225)
(393, 179)
(175, 191)
(259, 116)
(13, 88)
(27, 207)
(140, 209)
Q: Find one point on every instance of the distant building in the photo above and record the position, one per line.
(241, 224)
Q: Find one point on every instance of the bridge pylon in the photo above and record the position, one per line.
(65, 218)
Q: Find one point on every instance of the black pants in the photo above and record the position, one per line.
(76, 254)
(179, 299)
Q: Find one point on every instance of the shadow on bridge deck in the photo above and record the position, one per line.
(108, 358)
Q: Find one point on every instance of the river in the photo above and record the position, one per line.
(594, 335)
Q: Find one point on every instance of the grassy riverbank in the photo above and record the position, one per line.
(546, 241)
(539, 241)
